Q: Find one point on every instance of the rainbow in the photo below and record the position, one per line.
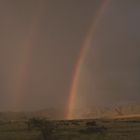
(84, 50)
(24, 61)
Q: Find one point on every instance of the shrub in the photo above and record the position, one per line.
(92, 127)
(92, 123)
(46, 127)
(75, 123)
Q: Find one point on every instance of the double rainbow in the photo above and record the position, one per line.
(27, 51)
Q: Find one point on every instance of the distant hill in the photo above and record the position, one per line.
(95, 112)
(45, 113)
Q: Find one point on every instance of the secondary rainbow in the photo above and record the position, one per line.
(24, 62)
(84, 50)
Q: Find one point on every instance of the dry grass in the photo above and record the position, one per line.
(120, 128)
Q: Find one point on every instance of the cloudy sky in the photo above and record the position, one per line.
(40, 41)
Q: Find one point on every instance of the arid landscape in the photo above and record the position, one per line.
(69, 69)
(121, 128)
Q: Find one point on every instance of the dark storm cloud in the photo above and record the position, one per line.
(115, 57)
(56, 43)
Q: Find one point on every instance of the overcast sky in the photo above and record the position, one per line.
(39, 45)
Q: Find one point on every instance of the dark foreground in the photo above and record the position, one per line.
(99, 129)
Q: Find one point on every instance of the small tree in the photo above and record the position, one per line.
(46, 127)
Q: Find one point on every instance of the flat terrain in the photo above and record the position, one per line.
(121, 128)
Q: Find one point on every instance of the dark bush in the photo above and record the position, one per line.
(65, 123)
(75, 123)
(46, 127)
(92, 130)
(92, 123)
